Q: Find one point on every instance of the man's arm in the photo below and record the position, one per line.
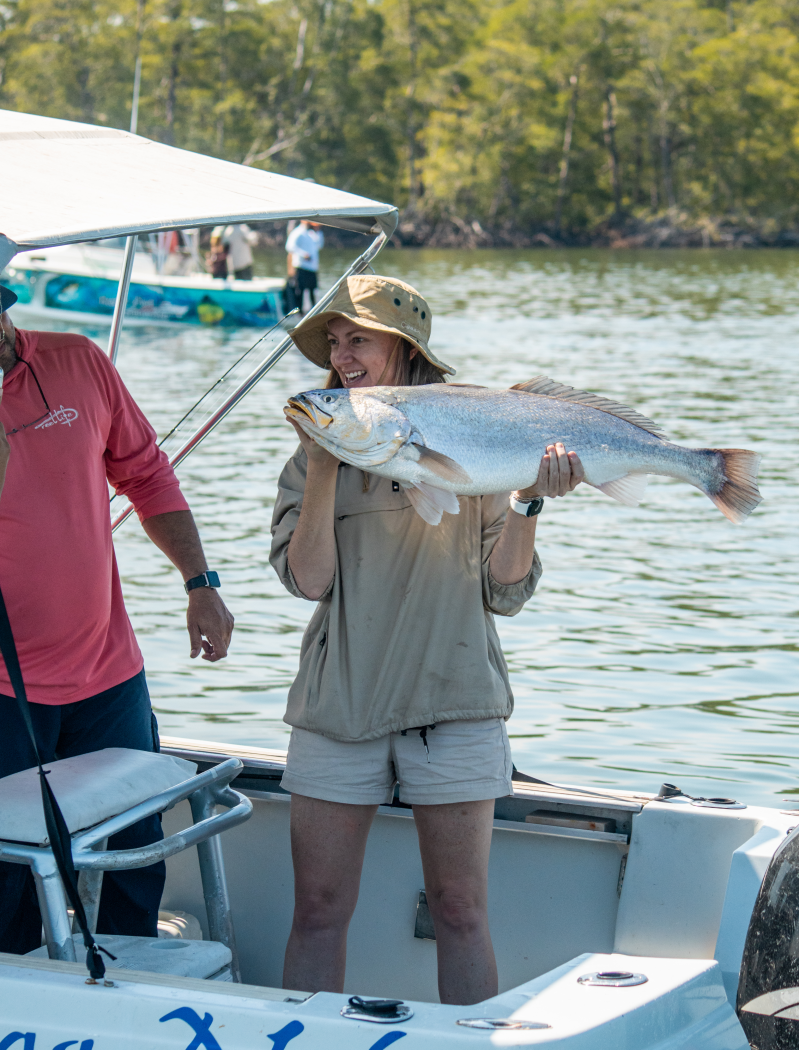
(209, 622)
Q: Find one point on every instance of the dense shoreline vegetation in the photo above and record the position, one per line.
(638, 123)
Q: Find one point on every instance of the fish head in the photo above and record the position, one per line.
(358, 426)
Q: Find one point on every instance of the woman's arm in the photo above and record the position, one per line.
(512, 557)
(312, 550)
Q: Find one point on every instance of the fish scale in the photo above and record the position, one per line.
(443, 440)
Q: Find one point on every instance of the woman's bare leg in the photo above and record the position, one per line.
(455, 840)
(328, 841)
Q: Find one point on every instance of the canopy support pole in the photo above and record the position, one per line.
(360, 264)
(122, 298)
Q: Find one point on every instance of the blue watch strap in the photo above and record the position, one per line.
(205, 579)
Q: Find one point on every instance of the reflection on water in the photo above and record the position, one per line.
(661, 644)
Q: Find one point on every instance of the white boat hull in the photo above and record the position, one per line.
(667, 894)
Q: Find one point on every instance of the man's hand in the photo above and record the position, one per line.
(210, 624)
(559, 472)
(175, 533)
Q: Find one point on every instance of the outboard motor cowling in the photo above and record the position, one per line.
(768, 989)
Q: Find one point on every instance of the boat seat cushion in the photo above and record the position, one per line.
(201, 959)
(89, 789)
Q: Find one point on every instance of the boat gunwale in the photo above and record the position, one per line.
(242, 991)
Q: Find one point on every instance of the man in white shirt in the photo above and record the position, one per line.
(237, 239)
(303, 245)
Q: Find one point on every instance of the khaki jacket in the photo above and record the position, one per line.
(404, 636)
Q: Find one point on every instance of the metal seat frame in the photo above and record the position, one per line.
(204, 791)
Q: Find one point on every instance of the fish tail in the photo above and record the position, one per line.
(734, 488)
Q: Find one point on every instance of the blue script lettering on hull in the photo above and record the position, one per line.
(291, 1030)
(29, 1042)
(202, 1027)
(204, 1037)
(387, 1040)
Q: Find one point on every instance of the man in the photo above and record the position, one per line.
(303, 245)
(237, 241)
(70, 428)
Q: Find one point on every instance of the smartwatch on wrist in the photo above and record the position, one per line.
(205, 579)
(528, 508)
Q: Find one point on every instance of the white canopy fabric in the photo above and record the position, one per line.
(65, 182)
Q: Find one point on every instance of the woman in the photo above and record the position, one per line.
(401, 674)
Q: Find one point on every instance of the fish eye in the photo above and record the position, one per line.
(327, 399)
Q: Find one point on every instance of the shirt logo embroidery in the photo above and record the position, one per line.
(59, 415)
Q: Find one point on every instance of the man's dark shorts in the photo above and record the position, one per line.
(118, 717)
(305, 279)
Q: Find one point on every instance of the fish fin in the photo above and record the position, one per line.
(548, 387)
(430, 503)
(739, 494)
(446, 468)
(628, 489)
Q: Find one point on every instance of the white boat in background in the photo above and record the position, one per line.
(78, 283)
(621, 921)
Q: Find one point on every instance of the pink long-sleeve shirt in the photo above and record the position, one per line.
(57, 567)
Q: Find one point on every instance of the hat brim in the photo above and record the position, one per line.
(310, 337)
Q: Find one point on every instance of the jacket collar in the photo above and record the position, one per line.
(26, 346)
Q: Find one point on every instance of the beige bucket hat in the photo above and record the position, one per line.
(382, 303)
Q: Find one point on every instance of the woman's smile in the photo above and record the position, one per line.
(361, 356)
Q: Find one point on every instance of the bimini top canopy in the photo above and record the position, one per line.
(65, 182)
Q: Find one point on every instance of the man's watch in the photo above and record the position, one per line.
(205, 579)
(528, 508)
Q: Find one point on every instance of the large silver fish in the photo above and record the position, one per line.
(444, 440)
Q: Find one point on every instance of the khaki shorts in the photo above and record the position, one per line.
(464, 761)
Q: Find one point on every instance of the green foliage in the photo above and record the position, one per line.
(529, 114)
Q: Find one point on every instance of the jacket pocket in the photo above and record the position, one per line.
(314, 658)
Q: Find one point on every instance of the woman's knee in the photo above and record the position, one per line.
(321, 910)
(459, 909)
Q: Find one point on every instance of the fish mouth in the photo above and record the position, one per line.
(302, 408)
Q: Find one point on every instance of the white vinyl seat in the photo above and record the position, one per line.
(205, 960)
(101, 794)
(89, 788)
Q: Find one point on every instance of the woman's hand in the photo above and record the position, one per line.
(559, 472)
(317, 456)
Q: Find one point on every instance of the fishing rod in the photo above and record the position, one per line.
(208, 425)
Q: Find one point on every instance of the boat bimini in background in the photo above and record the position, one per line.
(619, 920)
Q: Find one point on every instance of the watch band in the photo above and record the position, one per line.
(528, 508)
(205, 579)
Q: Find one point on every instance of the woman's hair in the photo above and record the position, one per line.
(408, 371)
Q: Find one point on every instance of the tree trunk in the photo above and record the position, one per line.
(609, 128)
(412, 130)
(665, 155)
(220, 120)
(574, 80)
(174, 72)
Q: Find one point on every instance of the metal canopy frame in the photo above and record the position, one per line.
(360, 264)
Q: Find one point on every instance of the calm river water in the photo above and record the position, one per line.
(662, 642)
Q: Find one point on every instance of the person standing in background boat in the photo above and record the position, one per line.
(216, 258)
(238, 241)
(303, 244)
(401, 678)
(70, 428)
